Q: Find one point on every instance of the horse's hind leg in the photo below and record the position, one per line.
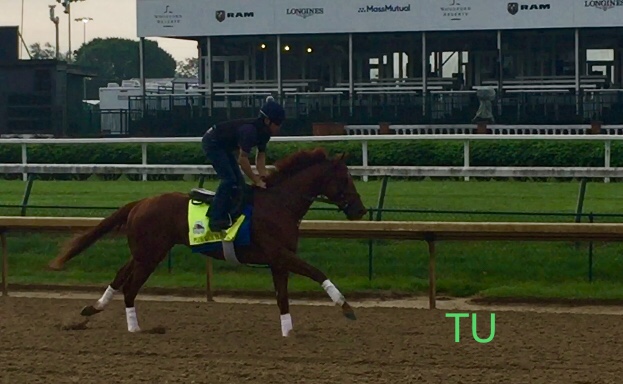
(299, 266)
(140, 274)
(122, 276)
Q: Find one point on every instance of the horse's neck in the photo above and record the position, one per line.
(299, 191)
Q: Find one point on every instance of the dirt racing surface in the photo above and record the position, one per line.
(242, 343)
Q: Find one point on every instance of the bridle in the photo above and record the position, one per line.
(343, 205)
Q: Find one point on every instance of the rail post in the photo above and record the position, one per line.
(379, 213)
(144, 158)
(466, 156)
(5, 264)
(364, 157)
(370, 248)
(607, 153)
(24, 161)
(27, 192)
(432, 289)
(580, 204)
(590, 252)
(381, 201)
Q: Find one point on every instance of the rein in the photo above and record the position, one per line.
(325, 200)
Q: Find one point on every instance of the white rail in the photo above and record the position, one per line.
(364, 139)
(396, 171)
(496, 129)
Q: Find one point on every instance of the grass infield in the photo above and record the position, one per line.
(492, 269)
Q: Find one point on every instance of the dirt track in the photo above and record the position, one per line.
(236, 343)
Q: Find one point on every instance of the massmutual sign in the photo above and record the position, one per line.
(384, 8)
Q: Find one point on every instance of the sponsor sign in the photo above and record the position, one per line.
(221, 15)
(305, 12)
(384, 8)
(514, 8)
(455, 10)
(198, 18)
(168, 18)
(604, 5)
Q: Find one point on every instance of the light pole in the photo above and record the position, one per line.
(84, 20)
(21, 28)
(67, 5)
(55, 21)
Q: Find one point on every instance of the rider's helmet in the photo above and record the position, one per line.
(273, 111)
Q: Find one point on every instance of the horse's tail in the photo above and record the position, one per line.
(85, 240)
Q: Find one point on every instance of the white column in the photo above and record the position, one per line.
(424, 72)
(279, 85)
(577, 72)
(351, 82)
(209, 74)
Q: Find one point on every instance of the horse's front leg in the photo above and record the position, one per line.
(289, 261)
(280, 281)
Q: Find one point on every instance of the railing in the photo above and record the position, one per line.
(378, 213)
(466, 171)
(431, 232)
(187, 114)
(496, 129)
(404, 105)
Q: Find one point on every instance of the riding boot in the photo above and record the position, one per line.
(219, 217)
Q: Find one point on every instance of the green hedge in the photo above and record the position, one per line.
(423, 153)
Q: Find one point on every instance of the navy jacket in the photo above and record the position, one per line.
(243, 133)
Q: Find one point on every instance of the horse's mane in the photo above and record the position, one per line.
(294, 163)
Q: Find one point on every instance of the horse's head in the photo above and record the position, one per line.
(339, 188)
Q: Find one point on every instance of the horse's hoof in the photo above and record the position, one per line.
(350, 315)
(53, 266)
(348, 312)
(90, 311)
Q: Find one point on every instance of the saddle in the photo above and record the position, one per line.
(243, 199)
(202, 195)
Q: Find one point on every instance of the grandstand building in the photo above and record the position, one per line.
(404, 62)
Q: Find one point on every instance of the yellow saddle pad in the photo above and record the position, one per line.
(199, 230)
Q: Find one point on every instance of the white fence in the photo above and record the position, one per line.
(445, 129)
(364, 170)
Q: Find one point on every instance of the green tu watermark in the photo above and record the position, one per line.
(457, 320)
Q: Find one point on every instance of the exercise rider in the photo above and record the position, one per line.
(219, 144)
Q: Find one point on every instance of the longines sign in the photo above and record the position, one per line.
(189, 18)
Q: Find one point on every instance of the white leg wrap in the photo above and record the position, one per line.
(105, 299)
(286, 324)
(130, 314)
(333, 292)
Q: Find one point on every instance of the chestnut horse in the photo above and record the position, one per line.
(155, 224)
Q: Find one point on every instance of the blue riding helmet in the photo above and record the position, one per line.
(273, 111)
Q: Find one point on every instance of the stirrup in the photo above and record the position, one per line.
(227, 223)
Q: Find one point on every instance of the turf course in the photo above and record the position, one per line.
(514, 269)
